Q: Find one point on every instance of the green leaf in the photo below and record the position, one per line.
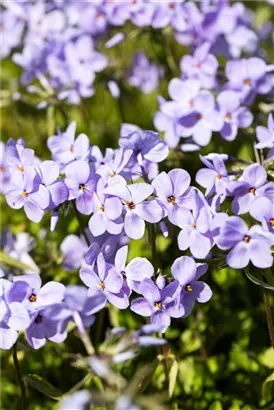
(43, 386)
(258, 281)
(268, 388)
(173, 373)
(14, 263)
(217, 405)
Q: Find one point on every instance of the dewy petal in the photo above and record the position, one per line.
(262, 208)
(260, 254)
(51, 292)
(184, 270)
(140, 191)
(151, 211)
(134, 225)
(139, 269)
(180, 181)
(239, 256)
(150, 291)
(141, 306)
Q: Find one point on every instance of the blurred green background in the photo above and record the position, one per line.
(222, 350)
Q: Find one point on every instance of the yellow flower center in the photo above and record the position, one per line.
(218, 176)
(102, 285)
(102, 208)
(20, 168)
(188, 288)
(271, 222)
(246, 238)
(252, 191)
(171, 199)
(32, 298)
(247, 82)
(131, 205)
(82, 187)
(159, 305)
(24, 194)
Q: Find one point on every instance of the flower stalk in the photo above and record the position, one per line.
(19, 378)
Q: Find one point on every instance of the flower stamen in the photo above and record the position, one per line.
(32, 298)
(159, 305)
(172, 200)
(246, 238)
(188, 288)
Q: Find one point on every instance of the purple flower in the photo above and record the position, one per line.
(4, 169)
(18, 157)
(137, 210)
(107, 212)
(107, 280)
(28, 291)
(167, 119)
(201, 66)
(83, 61)
(79, 400)
(203, 119)
(262, 210)
(246, 244)
(43, 327)
(13, 317)
(136, 270)
(265, 136)
(77, 306)
(73, 251)
(25, 191)
(155, 302)
(65, 148)
(116, 165)
(144, 74)
(195, 225)
(174, 192)
(49, 173)
(214, 178)
(81, 183)
(233, 115)
(248, 76)
(253, 184)
(146, 143)
(187, 273)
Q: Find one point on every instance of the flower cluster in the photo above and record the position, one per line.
(60, 45)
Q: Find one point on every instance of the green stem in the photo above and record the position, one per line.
(19, 378)
(83, 334)
(269, 317)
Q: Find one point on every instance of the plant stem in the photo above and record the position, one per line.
(83, 334)
(19, 378)
(269, 317)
